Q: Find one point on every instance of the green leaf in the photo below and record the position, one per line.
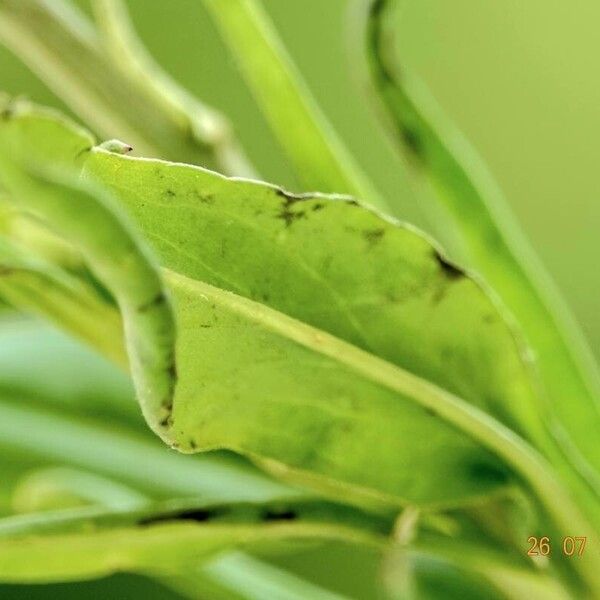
(494, 246)
(368, 281)
(319, 157)
(164, 539)
(321, 339)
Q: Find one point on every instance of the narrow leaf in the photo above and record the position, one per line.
(495, 247)
(82, 543)
(120, 263)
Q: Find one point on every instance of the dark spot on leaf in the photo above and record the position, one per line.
(485, 472)
(450, 270)
(4, 270)
(167, 407)
(204, 198)
(201, 515)
(193, 445)
(373, 236)
(153, 302)
(430, 411)
(172, 371)
(278, 515)
(413, 140)
(170, 193)
(289, 216)
(318, 206)
(377, 8)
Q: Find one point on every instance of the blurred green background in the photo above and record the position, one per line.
(518, 78)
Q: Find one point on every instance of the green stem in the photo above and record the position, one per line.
(318, 155)
(61, 46)
(128, 54)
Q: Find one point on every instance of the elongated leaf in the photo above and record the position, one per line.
(319, 157)
(252, 580)
(166, 539)
(495, 247)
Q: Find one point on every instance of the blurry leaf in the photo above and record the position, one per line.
(205, 125)
(163, 539)
(60, 45)
(254, 580)
(63, 487)
(41, 288)
(120, 262)
(105, 447)
(320, 159)
(41, 363)
(494, 246)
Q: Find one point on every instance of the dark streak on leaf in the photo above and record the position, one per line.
(196, 515)
(450, 270)
(412, 140)
(279, 515)
(4, 270)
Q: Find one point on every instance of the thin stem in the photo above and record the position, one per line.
(62, 47)
(320, 159)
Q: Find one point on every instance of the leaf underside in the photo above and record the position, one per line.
(234, 251)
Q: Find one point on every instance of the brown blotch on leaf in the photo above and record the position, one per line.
(373, 236)
(157, 300)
